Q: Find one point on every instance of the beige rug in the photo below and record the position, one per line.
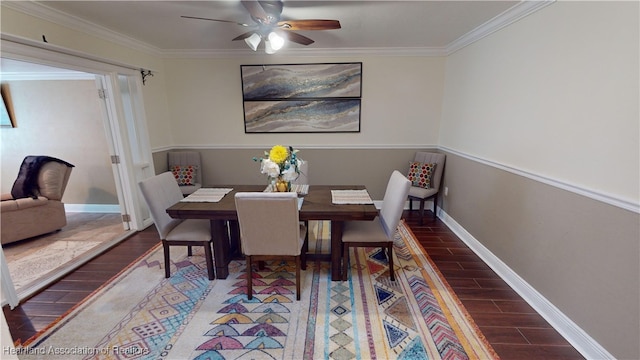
(32, 259)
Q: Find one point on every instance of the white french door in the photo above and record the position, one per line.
(127, 135)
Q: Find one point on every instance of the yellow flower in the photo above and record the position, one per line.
(278, 154)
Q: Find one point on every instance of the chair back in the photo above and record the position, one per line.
(160, 192)
(186, 158)
(393, 202)
(269, 223)
(303, 177)
(433, 158)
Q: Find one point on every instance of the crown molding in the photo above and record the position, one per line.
(61, 18)
(506, 18)
(306, 52)
(513, 14)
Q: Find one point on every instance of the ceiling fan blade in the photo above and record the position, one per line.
(272, 7)
(201, 18)
(243, 36)
(309, 24)
(297, 38)
(255, 10)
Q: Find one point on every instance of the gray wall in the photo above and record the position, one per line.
(370, 167)
(554, 99)
(579, 253)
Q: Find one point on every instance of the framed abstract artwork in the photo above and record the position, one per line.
(6, 110)
(302, 98)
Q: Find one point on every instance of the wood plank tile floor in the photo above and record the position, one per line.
(510, 325)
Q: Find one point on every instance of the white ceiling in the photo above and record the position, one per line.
(435, 26)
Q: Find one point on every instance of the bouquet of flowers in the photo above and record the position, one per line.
(280, 164)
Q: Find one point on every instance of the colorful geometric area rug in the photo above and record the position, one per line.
(142, 315)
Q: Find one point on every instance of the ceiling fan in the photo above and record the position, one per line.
(268, 26)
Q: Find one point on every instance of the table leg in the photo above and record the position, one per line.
(234, 240)
(220, 248)
(336, 250)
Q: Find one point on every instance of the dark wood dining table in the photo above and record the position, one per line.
(317, 205)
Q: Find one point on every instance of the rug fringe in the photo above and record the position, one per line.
(454, 297)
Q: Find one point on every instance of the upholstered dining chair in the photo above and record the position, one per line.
(380, 231)
(270, 229)
(160, 192)
(187, 169)
(426, 187)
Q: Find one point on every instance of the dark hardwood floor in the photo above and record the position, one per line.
(510, 325)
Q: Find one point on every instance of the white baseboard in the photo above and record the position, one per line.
(577, 337)
(92, 208)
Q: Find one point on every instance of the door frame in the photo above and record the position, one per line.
(125, 174)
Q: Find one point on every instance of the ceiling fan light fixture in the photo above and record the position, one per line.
(266, 24)
(268, 48)
(253, 41)
(276, 41)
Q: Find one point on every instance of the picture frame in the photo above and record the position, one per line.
(302, 98)
(7, 118)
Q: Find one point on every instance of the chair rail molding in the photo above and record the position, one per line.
(590, 193)
(297, 146)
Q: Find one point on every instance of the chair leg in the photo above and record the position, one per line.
(189, 251)
(167, 270)
(410, 204)
(297, 277)
(390, 257)
(249, 279)
(303, 254)
(305, 247)
(421, 211)
(345, 261)
(435, 206)
(209, 257)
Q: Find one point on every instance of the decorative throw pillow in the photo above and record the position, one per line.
(420, 174)
(185, 174)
